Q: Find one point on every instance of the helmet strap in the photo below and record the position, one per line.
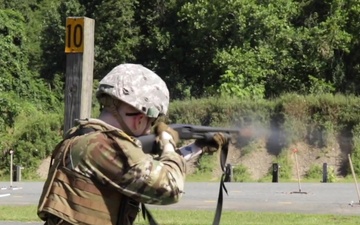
(114, 111)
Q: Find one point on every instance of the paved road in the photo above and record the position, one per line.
(324, 198)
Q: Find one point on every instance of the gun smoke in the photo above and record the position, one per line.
(275, 138)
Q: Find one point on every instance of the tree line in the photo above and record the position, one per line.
(247, 49)
(201, 48)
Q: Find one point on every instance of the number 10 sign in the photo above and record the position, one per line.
(74, 41)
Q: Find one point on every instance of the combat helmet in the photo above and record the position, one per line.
(137, 86)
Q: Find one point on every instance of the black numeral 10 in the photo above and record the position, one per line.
(75, 36)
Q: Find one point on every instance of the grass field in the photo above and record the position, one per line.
(196, 217)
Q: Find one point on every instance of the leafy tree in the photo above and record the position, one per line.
(278, 44)
(32, 135)
(53, 40)
(32, 17)
(203, 28)
(348, 75)
(9, 110)
(117, 34)
(22, 92)
(158, 50)
(13, 60)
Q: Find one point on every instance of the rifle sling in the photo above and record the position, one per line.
(223, 157)
(147, 215)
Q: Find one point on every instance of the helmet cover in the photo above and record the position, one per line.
(137, 86)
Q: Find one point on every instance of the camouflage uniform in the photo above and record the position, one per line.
(110, 158)
(99, 173)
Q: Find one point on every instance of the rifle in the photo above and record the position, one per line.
(187, 132)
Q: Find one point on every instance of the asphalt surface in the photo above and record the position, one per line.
(310, 198)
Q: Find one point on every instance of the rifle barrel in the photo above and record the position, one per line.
(202, 129)
(187, 132)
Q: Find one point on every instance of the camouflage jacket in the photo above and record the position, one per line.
(116, 159)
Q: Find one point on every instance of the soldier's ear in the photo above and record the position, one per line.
(140, 123)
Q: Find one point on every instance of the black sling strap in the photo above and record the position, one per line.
(223, 157)
(147, 215)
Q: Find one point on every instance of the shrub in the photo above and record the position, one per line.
(241, 173)
(331, 175)
(285, 166)
(207, 163)
(314, 172)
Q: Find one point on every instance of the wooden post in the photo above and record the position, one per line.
(298, 175)
(297, 170)
(354, 176)
(11, 168)
(79, 49)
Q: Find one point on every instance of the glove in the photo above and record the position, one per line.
(213, 145)
(164, 135)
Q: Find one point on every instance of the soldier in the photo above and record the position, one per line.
(99, 173)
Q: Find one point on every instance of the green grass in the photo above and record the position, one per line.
(197, 217)
(18, 213)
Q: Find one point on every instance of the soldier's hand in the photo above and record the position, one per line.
(166, 135)
(214, 144)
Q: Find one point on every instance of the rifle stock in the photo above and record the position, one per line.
(186, 132)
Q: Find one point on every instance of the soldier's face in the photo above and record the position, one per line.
(141, 124)
(137, 122)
